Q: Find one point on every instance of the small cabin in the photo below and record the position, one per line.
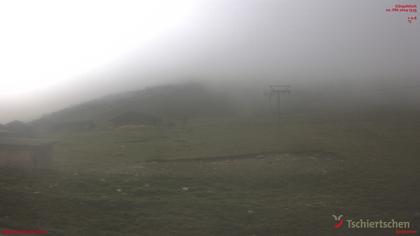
(25, 153)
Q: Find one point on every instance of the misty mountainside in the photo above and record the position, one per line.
(180, 102)
(170, 103)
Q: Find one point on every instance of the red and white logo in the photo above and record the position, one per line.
(339, 221)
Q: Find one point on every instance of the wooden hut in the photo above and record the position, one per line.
(27, 153)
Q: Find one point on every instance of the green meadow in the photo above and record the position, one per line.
(222, 177)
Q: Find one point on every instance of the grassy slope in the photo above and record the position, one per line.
(113, 181)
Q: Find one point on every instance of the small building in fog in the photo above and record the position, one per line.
(25, 153)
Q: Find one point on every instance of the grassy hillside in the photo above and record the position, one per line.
(221, 177)
(171, 102)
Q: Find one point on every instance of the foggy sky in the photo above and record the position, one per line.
(325, 45)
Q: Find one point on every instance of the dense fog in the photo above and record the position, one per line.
(333, 54)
